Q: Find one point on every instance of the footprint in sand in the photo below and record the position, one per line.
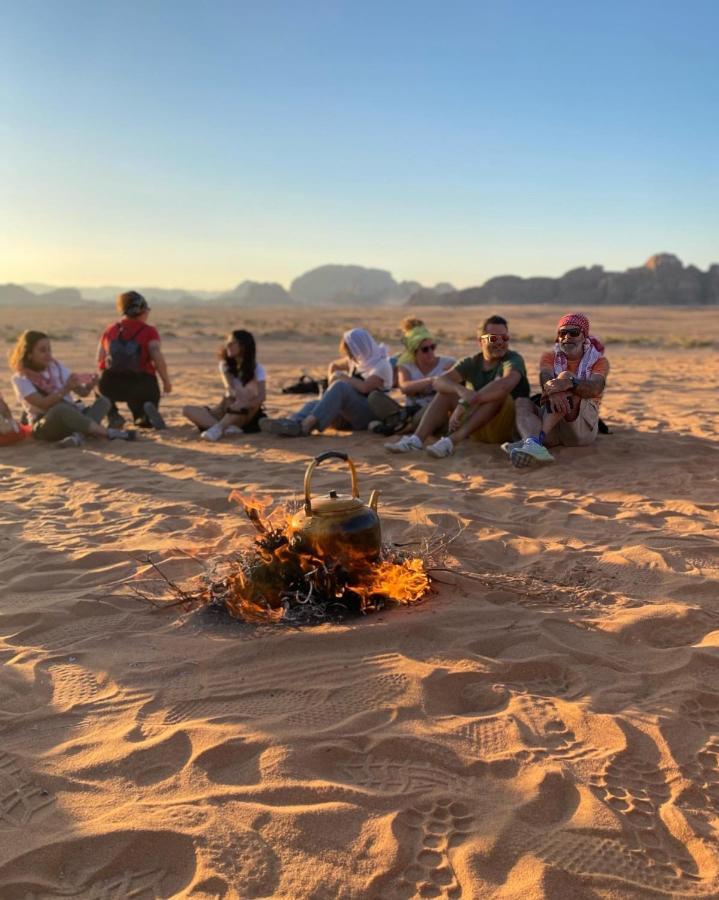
(145, 884)
(543, 677)
(701, 798)
(65, 637)
(118, 865)
(427, 833)
(463, 694)
(635, 789)
(545, 734)
(702, 708)
(72, 685)
(239, 859)
(20, 797)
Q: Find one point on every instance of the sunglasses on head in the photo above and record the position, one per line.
(569, 332)
(427, 348)
(495, 338)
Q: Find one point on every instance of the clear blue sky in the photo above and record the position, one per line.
(197, 144)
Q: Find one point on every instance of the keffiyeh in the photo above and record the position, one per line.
(593, 348)
(50, 381)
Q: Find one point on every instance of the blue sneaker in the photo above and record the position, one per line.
(531, 453)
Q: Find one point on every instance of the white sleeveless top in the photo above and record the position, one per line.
(444, 364)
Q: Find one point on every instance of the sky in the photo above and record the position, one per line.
(184, 144)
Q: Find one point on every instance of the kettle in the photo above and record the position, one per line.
(338, 527)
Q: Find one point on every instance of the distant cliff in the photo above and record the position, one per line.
(661, 281)
(337, 285)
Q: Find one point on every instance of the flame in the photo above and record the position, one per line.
(254, 508)
(276, 577)
(404, 582)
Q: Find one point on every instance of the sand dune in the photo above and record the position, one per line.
(547, 730)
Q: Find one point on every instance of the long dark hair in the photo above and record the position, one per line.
(248, 356)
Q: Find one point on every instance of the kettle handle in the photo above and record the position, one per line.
(329, 454)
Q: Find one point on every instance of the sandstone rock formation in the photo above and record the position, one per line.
(662, 281)
(255, 293)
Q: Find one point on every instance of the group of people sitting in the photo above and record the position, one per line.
(485, 396)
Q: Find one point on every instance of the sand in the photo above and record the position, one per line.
(550, 729)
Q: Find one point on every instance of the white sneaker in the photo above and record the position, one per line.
(212, 434)
(405, 444)
(233, 429)
(442, 447)
(508, 446)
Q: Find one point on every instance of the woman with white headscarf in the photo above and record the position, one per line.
(364, 368)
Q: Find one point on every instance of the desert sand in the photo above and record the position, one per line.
(548, 729)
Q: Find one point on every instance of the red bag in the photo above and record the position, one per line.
(14, 437)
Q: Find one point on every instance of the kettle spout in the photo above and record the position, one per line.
(373, 498)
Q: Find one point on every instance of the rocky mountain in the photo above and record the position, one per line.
(17, 295)
(255, 293)
(662, 281)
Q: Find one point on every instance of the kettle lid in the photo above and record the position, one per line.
(334, 503)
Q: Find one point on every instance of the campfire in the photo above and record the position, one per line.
(273, 581)
(321, 563)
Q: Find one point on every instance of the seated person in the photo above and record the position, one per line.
(129, 356)
(363, 368)
(476, 395)
(44, 387)
(244, 380)
(417, 367)
(10, 431)
(573, 377)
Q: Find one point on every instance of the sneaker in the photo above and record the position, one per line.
(72, 440)
(383, 428)
(530, 453)
(118, 434)
(233, 429)
(405, 444)
(508, 446)
(283, 427)
(153, 416)
(214, 433)
(441, 448)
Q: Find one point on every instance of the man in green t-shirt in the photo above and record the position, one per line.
(476, 395)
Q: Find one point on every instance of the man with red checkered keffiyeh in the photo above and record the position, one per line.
(572, 376)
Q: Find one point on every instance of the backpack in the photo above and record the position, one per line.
(124, 355)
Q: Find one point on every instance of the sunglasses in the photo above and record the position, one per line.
(569, 332)
(495, 338)
(427, 348)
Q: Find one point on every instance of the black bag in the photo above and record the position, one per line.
(124, 355)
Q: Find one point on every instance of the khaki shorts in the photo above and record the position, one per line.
(579, 433)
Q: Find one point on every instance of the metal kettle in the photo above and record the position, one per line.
(337, 527)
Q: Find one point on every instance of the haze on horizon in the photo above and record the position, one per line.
(179, 145)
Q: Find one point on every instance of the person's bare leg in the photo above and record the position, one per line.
(238, 419)
(436, 415)
(199, 416)
(478, 417)
(526, 419)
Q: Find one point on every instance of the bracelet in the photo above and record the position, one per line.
(464, 403)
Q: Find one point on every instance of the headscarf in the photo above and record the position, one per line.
(593, 348)
(50, 381)
(411, 340)
(366, 352)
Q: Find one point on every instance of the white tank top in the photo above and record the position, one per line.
(444, 363)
